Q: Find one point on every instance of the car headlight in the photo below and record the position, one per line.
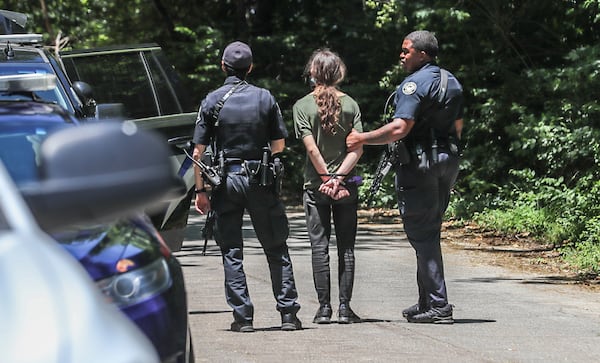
(137, 285)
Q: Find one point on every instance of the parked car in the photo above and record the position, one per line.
(127, 258)
(50, 310)
(141, 85)
(142, 80)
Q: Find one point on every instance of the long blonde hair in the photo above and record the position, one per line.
(326, 70)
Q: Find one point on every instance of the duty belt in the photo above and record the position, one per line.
(261, 172)
(238, 166)
(237, 169)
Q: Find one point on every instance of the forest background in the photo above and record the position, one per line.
(529, 68)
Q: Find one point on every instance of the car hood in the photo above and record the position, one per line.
(109, 249)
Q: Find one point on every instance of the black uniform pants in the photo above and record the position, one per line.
(270, 223)
(318, 209)
(423, 197)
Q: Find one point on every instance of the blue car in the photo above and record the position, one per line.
(136, 82)
(128, 259)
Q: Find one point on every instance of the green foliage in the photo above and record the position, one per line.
(530, 211)
(551, 212)
(555, 141)
(585, 252)
(529, 68)
(521, 218)
(386, 197)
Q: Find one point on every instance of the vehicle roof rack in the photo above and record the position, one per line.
(21, 38)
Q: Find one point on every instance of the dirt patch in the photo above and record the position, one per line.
(515, 252)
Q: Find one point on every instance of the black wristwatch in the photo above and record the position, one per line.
(201, 190)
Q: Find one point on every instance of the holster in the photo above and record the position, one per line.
(270, 176)
(422, 157)
(401, 153)
(217, 165)
(265, 172)
(260, 173)
(278, 171)
(424, 152)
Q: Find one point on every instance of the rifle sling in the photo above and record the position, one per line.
(221, 103)
(217, 111)
(443, 88)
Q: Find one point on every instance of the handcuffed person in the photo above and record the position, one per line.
(323, 119)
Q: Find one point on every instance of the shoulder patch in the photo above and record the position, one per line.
(409, 88)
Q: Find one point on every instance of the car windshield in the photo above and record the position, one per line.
(19, 147)
(55, 95)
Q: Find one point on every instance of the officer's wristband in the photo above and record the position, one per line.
(201, 190)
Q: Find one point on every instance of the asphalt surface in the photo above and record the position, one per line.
(500, 315)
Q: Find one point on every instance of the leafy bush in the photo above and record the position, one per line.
(585, 253)
(532, 116)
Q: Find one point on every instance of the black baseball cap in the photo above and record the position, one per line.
(237, 55)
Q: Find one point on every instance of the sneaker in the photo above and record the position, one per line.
(413, 310)
(289, 321)
(242, 327)
(346, 315)
(323, 315)
(441, 315)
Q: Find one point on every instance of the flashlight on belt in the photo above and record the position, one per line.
(264, 167)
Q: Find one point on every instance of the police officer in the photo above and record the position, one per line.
(428, 119)
(241, 120)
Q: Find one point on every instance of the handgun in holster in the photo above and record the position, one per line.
(278, 171)
(426, 152)
(422, 159)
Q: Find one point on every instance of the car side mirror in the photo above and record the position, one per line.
(98, 172)
(83, 90)
(86, 95)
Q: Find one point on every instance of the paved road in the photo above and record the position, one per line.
(501, 316)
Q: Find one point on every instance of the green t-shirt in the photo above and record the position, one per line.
(332, 147)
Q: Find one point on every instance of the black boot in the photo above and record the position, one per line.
(323, 315)
(435, 315)
(289, 321)
(346, 315)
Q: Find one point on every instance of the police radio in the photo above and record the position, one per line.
(210, 174)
